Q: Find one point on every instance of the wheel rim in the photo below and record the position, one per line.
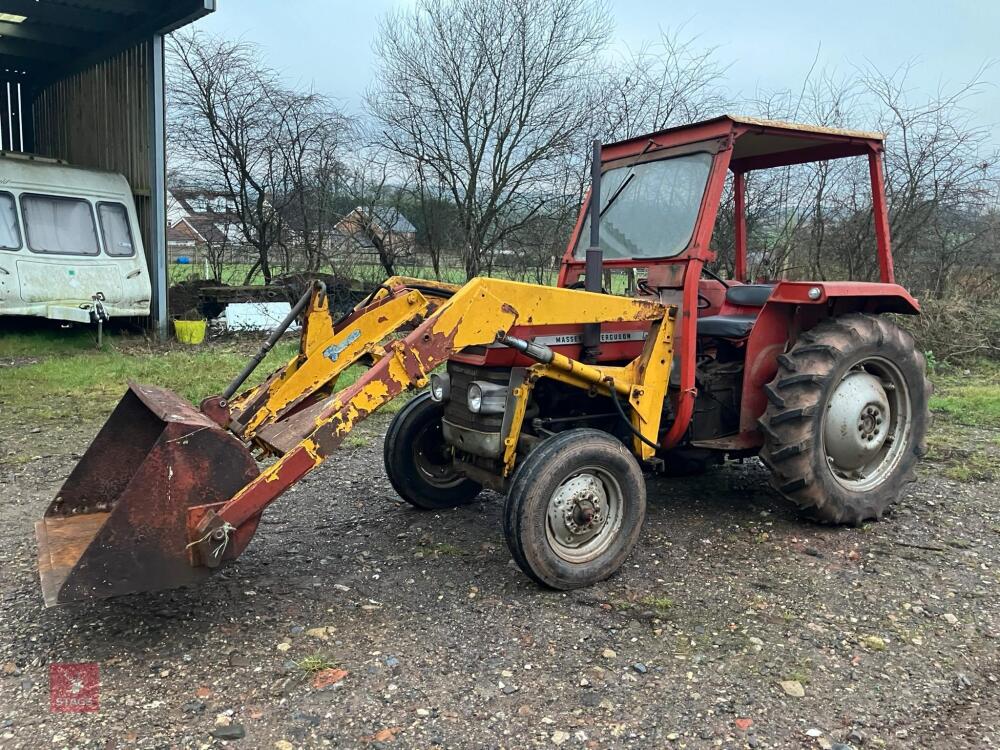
(867, 424)
(584, 515)
(432, 459)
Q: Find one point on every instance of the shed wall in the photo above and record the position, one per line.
(100, 117)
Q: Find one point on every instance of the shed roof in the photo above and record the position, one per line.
(42, 40)
(390, 219)
(380, 217)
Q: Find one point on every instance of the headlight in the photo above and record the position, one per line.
(487, 398)
(475, 398)
(440, 387)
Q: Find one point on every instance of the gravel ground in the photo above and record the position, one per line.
(733, 625)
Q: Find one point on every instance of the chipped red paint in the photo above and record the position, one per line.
(255, 496)
(215, 409)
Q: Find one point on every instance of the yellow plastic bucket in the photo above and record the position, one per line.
(190, 331)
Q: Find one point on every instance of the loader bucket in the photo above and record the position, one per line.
(120, 524)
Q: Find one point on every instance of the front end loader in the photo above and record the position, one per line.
(167, 493)
(642, 358)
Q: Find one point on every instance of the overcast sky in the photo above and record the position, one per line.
(769, 44)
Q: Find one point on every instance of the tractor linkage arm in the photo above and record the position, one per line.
(297, 415)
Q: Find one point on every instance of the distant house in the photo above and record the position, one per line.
(204, 224)
(372, 229)
(183, 240)
(201, 221)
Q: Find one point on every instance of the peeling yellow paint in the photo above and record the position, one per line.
(471, 316)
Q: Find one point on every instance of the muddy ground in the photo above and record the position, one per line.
(890, 630)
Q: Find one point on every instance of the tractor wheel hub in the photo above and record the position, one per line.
(857, 421)
(578, 513)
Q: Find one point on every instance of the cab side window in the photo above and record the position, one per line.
(116, 230)
(10, 232)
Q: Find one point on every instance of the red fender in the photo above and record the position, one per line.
(796, 306)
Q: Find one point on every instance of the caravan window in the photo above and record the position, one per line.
(10, 233)
(63, 226)
(115, 230)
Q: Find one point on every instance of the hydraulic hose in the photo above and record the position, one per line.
(628, 422)
(236, 382)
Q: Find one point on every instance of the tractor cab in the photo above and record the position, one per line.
(660, 197)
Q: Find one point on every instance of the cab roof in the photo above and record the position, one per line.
(757, 143)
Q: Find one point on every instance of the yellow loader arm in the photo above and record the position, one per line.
(295, 416)
(329, 347)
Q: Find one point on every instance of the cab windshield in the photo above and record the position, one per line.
(649, 210)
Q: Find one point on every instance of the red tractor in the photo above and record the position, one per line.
(811, 376)
(554, 396)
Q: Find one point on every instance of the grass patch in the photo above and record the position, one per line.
(48, 342)
(800, 675)
(965, 435)
(314, 663)
(83, 383)
(661, 604)
(358, 441)
(372, 273)
(874, 643)
(70, 379)
(968, 396)
(444, 549)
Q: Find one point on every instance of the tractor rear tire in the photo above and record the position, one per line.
(575, 509)
(418, 463)
(846, 420)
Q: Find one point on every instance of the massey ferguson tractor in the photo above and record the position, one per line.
(558, 397)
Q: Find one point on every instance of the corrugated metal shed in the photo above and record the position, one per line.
(82, 80)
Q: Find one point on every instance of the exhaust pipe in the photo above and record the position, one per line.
(594, 268)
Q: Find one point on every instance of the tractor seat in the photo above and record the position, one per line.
(749, 295)
(736, 326)
(726, 326)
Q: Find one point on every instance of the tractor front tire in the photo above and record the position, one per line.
(846, 420)
(575, 509)
(418, 463)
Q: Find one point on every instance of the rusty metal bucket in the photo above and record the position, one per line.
(122, 521)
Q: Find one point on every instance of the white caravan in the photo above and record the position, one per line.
(70, 247)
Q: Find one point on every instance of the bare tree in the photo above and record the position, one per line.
(672, 81)
(376, 213)
(438, 217)
(219, 247)
(941, 175)
(312, 136)
(815, 220)
(234, 125)
(483, 97)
